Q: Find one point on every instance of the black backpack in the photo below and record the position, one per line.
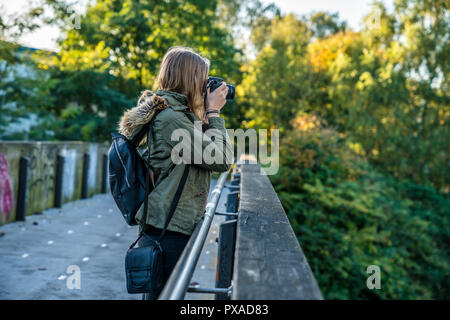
(127, 174)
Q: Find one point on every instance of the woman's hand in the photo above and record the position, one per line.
(216, 100)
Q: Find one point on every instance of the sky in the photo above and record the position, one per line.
(351, 11)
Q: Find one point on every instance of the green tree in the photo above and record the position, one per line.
(136, 34)
(323, 24)
(371, 85)
(103, 65)
(347, 216)
(276, 82)
(425, 26)
(24, 89)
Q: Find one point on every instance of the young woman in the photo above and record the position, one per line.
(182, 83)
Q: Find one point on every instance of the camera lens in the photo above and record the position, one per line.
(214, 83)
(231, 91)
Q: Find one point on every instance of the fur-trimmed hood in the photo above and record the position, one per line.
(149, 102)
(141, 114)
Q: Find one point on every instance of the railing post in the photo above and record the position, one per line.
(104, 172)
(232, 203)
(225, 257)
(84, 183)
(59, 180)
(22, 195)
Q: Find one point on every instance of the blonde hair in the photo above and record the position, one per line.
(185, 71)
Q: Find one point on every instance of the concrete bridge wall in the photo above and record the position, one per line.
(269, 263)
(42, 173)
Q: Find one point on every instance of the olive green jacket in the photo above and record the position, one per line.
(167, 176)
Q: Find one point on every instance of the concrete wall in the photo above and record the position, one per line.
(42, 173)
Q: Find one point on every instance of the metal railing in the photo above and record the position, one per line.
(258, 254)
(178, 282)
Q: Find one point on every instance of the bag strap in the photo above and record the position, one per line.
(177, 195)
(175, 200)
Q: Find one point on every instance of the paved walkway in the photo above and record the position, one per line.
(88, 234)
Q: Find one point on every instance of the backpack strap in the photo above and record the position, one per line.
(138, 137)
(148, 126)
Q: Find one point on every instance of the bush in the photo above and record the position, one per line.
(348, 216)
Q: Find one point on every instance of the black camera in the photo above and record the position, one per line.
(214, 83)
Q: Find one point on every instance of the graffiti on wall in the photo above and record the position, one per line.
(6, 197)
(69, 172)
(41, 174)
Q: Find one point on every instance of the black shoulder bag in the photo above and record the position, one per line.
(144, 265)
